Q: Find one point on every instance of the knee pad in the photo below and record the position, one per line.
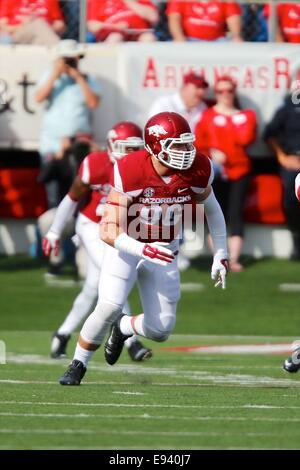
(161, 329)
(98, 323)
(156, 335)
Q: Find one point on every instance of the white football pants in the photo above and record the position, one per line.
(159, 289)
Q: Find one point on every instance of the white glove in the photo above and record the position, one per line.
(220, 268)
(157, 253)
(51, 243)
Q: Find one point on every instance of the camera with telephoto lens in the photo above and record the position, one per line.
(71, 62)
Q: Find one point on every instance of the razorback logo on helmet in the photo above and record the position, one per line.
(157, 130)
(112, 134)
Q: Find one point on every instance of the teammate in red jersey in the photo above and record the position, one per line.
(148, 187)
(90, 188)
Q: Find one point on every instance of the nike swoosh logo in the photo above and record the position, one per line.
(181, 190)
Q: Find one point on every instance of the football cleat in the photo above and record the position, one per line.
(74, 374)
(115, 343)
(58, 345)
(289, 365)
(138, 352)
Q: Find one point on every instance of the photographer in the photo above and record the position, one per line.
(66, 129)
(71, 96)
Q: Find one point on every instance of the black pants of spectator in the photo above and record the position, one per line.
(291, 207)
(231, 196)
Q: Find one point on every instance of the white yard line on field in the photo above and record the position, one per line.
(292, 287)
(134, 433)
(146, 416)
(44, 360)
(235, 349)
(147, 405)
(197, 377)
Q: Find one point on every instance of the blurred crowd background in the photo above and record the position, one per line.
(251, 190)
(46, 21)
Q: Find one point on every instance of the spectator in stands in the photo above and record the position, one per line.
(224, 131)
(162, 32)
(188, 101)
(288, 22)
(71, 12)
(71, 97)
(115, 21)
(283, 135)
(31, 22)
(204, 21)
(254, 23)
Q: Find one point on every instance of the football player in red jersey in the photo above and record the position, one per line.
(90, 188)
(168, 173)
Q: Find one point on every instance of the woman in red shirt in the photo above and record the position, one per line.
(224, 131)
(122, 20)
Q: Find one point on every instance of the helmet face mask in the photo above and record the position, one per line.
(120, 148)
(125, 137)
(173, 156)
(169, 139)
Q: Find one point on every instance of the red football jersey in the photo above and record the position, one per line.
(17, 10)
(204, 20)
(95, 171)
(117, 11)
(156, 210)
(230, 134)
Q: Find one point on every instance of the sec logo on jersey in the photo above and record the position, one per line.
(148, 192)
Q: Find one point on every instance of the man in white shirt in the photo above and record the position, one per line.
(188, 101)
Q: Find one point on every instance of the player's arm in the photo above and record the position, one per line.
(113, 231)
(64, 213)
(217, 227)
(175, 27)
(146, 12)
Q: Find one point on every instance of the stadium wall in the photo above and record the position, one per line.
(19, 236)
(132, 76)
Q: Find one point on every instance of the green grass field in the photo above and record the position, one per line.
(176, 400)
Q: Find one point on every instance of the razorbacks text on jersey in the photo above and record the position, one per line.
(95, 171)
(156, 210)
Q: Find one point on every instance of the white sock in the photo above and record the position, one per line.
(133, 338)
(126, 325)
(82, 355)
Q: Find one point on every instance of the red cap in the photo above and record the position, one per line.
(197, 80)
(226, 78)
